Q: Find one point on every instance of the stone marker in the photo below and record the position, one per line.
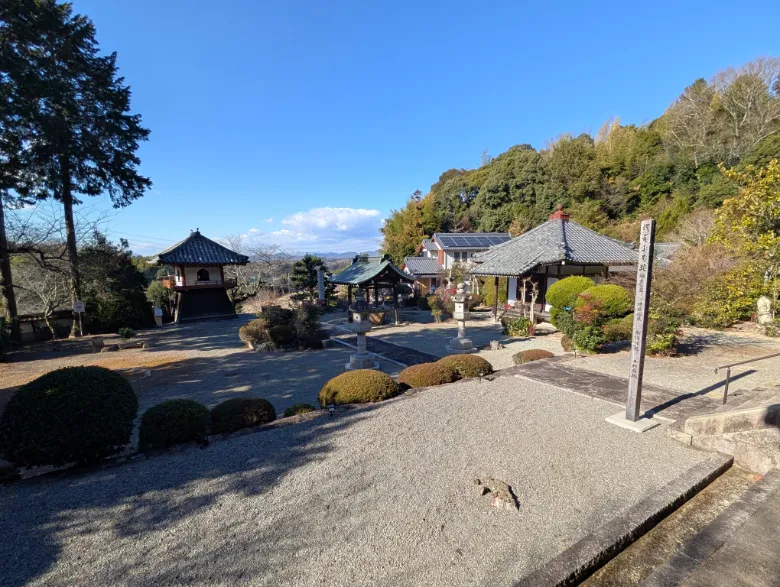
(764, 311)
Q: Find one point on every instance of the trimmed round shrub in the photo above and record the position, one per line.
(71, 415)
(467, 365)
(254, 331)
(531, 355)
(616, 330)
(281, 335)
(563, 293)
(173, 422)
(610, 300)
(427, 375)
(566, 343)
(276, 316)
(241, 412)
(298, 409)
(358, 387)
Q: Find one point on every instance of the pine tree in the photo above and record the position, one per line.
(77, 111)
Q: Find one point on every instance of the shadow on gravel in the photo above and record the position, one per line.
(680, 398)
(110, 511)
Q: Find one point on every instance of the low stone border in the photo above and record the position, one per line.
(582, 559)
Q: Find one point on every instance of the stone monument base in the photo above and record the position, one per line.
(361, 361)
(461, 346)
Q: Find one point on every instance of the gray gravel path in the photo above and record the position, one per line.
(377, 496)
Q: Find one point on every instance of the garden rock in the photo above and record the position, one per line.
(97, 344)
(502, 496)
(110, 348)
(496, 345)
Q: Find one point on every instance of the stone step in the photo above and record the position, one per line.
(739, 547)
(755, 450)
(741, 397)
(745, 417)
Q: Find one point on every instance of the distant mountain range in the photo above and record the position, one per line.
(346, 255)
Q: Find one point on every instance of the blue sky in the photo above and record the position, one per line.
(305, 123)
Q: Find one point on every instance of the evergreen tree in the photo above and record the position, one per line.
(77, 109)
(304, 277)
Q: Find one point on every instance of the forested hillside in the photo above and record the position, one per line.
(667, 169)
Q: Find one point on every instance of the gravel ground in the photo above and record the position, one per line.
(377, 496)
(694, 370)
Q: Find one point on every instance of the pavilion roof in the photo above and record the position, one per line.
(423, 266)
(365, 270)
(557, 240)
(196, 249)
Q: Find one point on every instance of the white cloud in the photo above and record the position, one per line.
(269, 220)
(327, 230)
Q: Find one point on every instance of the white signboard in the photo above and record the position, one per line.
(78, 307)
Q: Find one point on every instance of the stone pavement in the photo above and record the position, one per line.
(656, 401)
(394, 352)
(740, 547)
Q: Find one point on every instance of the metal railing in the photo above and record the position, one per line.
(728, 371)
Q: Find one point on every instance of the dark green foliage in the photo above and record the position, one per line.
(422, 303)
(563, 294)
(563, 320)
(281, 335)
(488, 291)
(520, 326)
(305, 321)
(304, 278)
(71, 415)
(588, 338)
(174, 422)
(427, 375)
(357, 387)
(126, 333)
(616, 330)
(5, 338)
(241, 412)
(467, 365)
(276, 316)
(299, 409)
(254, 331)
(113, 288)
(531, 355)
(663, 333)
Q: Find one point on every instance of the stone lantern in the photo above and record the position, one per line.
(362, 359)
(461, 344)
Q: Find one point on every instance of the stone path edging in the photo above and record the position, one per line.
(580, 560)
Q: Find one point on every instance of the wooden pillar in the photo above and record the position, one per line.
(395, 306)
(349, 294)
(495, 297)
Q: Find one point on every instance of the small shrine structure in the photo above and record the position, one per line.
(199, 277)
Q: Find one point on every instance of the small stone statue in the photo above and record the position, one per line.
(764, 307)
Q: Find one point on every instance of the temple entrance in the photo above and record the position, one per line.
(203, 275)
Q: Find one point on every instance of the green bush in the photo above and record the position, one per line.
(173, 422)
(241, 412)
(422, 303)
(563, 294)
(520, 326)
(467, 365)
(276, 316)
(126, 332)
(563, 320)
(612, 301)
(531, 355)
(663, 335)
(305, 321)
(616, 330)
(357, 387)
(298, 409)
(71, 415)
(488, 291)
(254, 331)
(588, 338)
(427, 375)
(566, 343)
(281, 335)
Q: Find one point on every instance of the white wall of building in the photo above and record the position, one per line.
(191, 274)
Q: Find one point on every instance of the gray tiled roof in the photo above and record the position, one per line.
(365, 269)
(429, 245)
(422, 266)
(552, 242)
(196, 249)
